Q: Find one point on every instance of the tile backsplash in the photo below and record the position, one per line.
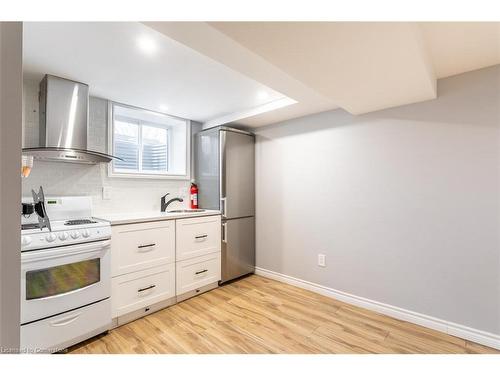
(58, 178)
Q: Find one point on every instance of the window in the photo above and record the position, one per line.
(150, 144)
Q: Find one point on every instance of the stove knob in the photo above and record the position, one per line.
(63, 236)
(75, 235)
(86, 233)
(51, 237)
(25, 240)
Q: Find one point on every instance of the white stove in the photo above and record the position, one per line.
(71, 223)
(65, 276)
(65, 233)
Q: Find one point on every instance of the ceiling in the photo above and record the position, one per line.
(133, 64)
(361, 67)
(458, 47)
(250, 73)
(358, 66)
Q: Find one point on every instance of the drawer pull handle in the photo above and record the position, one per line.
(144, 246)
(199, 272)
(201, 236)
(146, 288)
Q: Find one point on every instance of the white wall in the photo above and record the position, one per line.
(127, 195)
(405, 203)
(10, 182)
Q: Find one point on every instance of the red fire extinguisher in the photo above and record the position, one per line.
(194, 195)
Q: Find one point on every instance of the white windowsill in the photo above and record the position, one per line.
(148, 176)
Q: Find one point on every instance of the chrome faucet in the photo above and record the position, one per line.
(164, 204)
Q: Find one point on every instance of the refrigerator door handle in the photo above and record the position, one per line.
(222, 168)
(224, 232)
(223, 206)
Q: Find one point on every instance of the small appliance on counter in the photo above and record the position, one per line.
(38, 206)
(65, 274)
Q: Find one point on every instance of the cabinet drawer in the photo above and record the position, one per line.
(195, 273)
(197, 236)
(139, 289)
(136, 247)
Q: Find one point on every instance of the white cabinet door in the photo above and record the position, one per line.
(197, 236)
(136, 247)
(140, 289)
(197, 272)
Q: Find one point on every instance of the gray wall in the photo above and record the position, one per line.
(10, 181)
(405, 203)
(127, 194)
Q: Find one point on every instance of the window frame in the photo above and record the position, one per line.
(141, 174)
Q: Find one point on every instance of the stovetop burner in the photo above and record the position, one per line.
(80, 222)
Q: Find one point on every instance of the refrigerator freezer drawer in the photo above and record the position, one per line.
(238, 248)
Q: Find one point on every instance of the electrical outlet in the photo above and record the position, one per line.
(106, 193)
(322, 260)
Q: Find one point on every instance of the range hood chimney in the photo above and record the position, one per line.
(64, 123)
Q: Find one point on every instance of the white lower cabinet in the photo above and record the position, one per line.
(198, 255)
(135, 247)
(140, 289)
(197, 272)
(147, 275)
(196, 237)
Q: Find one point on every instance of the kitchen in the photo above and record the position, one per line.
(107, 255)
(177, 200)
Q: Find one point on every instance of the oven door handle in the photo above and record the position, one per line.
(65, 321)
(65, 251)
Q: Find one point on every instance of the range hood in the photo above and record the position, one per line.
(64, 123)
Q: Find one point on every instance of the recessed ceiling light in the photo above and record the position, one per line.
(147, 45)
(262, 95)
(163, 108)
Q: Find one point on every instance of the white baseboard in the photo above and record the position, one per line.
(471, 334)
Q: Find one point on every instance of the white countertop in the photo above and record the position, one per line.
(143, 217)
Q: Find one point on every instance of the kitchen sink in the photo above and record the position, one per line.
(185, 211)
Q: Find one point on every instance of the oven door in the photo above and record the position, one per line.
(60, 279)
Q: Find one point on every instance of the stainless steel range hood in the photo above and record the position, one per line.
(64, 123)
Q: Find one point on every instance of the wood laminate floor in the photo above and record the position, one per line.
(259, 315)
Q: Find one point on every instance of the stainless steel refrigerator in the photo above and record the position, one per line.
(225, 175)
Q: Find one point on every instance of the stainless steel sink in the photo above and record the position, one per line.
(185, 211)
